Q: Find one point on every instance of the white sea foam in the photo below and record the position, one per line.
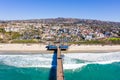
(80, 65)
(27, 60)
(74, 66)
(95, 56)
(90, 58)
(71, 61)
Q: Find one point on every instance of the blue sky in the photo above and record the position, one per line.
(108, 10)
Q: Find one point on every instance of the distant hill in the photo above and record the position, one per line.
(68, 21)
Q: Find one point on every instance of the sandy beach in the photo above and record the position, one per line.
(94, 48)
(72, 48)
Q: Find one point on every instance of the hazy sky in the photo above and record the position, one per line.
(108, 10)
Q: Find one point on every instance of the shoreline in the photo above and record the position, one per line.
(41, 48)
(51, 52)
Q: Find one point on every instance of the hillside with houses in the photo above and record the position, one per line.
(67, 30)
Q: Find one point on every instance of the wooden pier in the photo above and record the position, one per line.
(60, 73)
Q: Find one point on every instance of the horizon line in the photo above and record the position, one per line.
(56, 18)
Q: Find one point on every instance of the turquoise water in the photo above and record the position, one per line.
(77, 66)
(13, 73)
(95, 72)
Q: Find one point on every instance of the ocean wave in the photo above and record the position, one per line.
(27, 60)
(95, 56)
(80, 65)
(90, 58)
(70, 61)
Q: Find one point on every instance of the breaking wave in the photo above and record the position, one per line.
(83, 59)
(70, 61)
(41, 60)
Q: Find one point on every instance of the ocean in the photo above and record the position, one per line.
(77, 66)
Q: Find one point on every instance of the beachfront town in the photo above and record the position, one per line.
(58, 30)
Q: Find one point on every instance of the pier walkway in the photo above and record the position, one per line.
(60, 73)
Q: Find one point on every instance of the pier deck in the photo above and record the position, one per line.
(60, 74)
